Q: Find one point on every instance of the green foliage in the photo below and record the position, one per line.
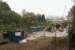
(9, 17)
(49, 23)
(4, 6)
(10, 20)
(73, 17)
(39, 19)
(43, 18)
(31, 20)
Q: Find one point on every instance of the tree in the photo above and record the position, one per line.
(4, 6)
(43, 18)
(73, 17)
(8, 19)
(29, 20)
(39, 19)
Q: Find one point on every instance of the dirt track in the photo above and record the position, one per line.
(42, 43)
(30, 45)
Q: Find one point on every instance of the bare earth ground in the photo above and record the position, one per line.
(30, 45)
(42, 43)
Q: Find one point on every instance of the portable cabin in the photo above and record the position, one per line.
(11, 35)
(14, 36)
(3, 40)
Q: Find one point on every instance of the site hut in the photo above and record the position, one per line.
(14, 35)
(3, 37)
(2, 40)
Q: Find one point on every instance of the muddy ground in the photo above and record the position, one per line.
(42, 43)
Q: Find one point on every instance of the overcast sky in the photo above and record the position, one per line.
(47, 7)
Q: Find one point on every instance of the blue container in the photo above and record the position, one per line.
(18, 39)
